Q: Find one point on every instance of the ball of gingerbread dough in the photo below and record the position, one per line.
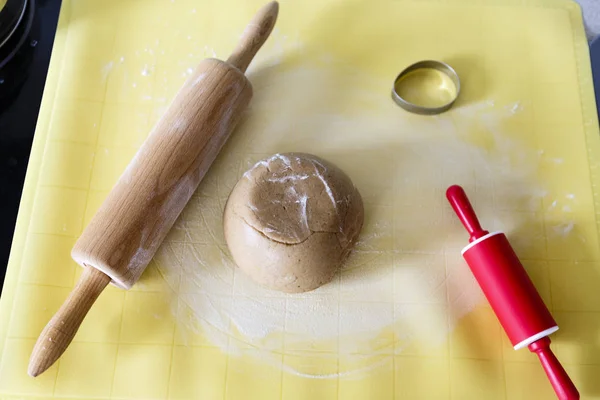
(291, 220)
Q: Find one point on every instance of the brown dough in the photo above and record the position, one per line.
(291, 220)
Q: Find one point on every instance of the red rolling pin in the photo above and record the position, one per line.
(513, 297)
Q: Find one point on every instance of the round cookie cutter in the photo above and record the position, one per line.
(426, 87)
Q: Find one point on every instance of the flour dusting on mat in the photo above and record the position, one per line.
(106, 70)
(405, 284)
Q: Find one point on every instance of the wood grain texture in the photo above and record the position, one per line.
(59, 332)
(140, 210)
(254, 36)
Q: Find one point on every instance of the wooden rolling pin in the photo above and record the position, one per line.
(140, 210)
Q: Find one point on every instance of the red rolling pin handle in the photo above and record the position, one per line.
(562, 384)
(513, 297)
(462, 207)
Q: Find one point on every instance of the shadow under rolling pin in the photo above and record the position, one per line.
(140, 210)
(513, 297)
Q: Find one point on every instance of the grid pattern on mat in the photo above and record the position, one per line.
(116, 65)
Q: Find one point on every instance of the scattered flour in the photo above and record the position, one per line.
(564, 229)
(210, 52)
(516, 107)
(106, 70)
(147, 70)
(405, 284)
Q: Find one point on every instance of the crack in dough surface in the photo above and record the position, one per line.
(306, 227)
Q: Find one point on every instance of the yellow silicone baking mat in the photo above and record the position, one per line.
(404, 319)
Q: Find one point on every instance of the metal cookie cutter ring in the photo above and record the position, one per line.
(426, 87)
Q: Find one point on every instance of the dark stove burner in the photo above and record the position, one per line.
(10, 17)
(24, 55)
(16, 54)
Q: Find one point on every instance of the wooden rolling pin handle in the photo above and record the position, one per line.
(254, 36)
(57, 335)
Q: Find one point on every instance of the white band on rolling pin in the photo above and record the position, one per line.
(536, 337)
(481, 239)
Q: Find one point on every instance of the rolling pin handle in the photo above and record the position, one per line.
(57, 335)
(462, 207)
(254, 36)
(561, 383)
